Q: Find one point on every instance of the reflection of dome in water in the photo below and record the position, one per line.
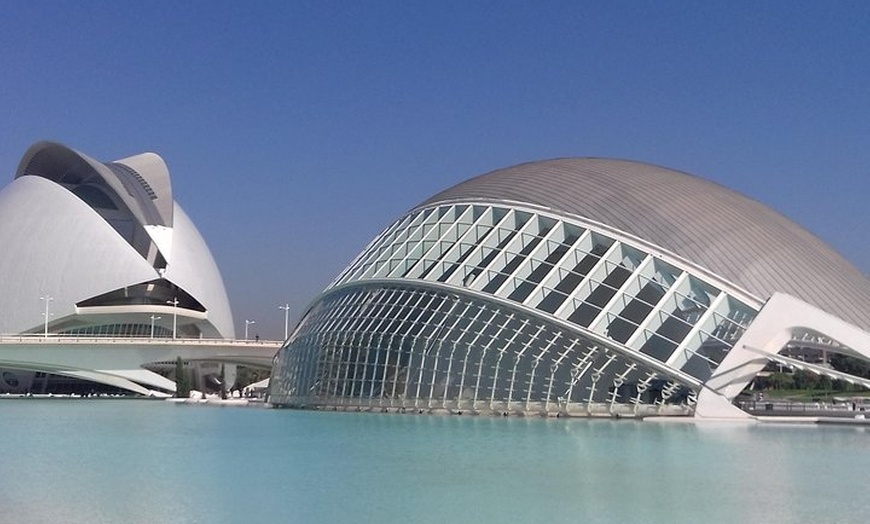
(10, 379)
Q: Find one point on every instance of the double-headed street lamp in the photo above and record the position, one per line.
(153, 318)
(286, 308)
(248, 323)
(174, 303)
(47, 299)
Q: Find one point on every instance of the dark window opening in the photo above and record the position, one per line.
(156, 292)
(94, 197)
(537, 275)
(511, 266)
(555, 298)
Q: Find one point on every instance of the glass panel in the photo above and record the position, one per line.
(657, 347)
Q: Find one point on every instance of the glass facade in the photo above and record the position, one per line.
(119, 330)
(494, 308)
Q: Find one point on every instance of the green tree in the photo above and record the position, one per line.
(851, 365)
(223, 383)
(805, 380)
(182, 382)
(781, 381)
(825, 383)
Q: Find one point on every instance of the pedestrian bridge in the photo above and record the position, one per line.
(121, 362)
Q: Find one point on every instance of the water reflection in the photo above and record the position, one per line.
(140, 461)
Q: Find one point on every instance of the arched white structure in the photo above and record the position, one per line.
(76, 230)
(104, 250)
(576, 286)
(782, 320)
(119, 362)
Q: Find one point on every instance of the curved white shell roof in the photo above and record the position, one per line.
(731, 235)
(141, 181)
(193, 265)
(55, 243)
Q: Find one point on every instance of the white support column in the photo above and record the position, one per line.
(618, 381)
(768, 334)
(337, 352)
(468, 347)
(483, 353)
(376, 339)
(596, 376)
(443, 329)
(425, 351)
(578, 371)
(434, 379)
(554, 367)
(412, 350)
(386, 365)
(501, 353)
(342, 341)
(544, 351)
(517, 357)
(447, 377)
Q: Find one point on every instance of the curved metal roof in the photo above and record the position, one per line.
(741, 240)
(141, 181)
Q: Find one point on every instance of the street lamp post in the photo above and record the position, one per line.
(248, 323)
(174, 303)
(286, 308)
(153, 318)
(47, 299)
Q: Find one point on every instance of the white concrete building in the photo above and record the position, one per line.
(102, 249)
(575, 286)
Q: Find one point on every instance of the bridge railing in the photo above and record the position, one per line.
(35, 338)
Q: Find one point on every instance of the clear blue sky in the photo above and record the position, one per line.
(296, 131)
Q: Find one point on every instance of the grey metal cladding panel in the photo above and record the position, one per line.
(731, 235)
(138, 188)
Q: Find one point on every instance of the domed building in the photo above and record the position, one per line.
(580, 286)
(102, 249)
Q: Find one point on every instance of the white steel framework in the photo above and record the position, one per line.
(577, 287)
(521, 311)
